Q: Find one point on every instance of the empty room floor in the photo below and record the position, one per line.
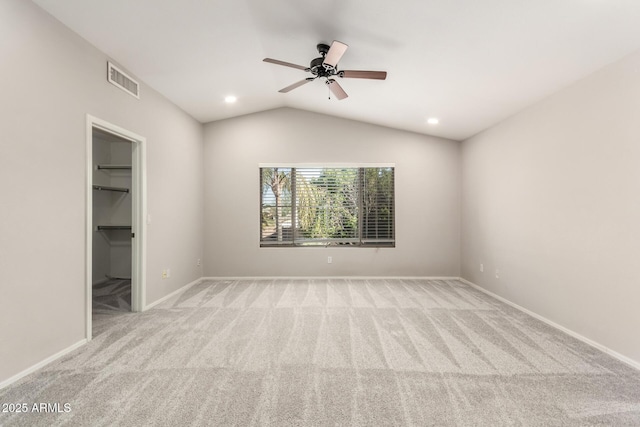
(331, 352)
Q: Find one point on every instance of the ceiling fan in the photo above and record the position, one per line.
(326, 67)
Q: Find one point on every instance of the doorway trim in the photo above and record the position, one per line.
(138, 215)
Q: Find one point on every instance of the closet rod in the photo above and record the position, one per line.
(105, 188)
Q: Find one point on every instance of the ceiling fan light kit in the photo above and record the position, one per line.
(326, 67)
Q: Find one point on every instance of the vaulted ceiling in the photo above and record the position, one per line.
(469, 63)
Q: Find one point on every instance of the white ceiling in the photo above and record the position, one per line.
(470, 63)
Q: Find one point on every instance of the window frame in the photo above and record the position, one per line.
(360, 241)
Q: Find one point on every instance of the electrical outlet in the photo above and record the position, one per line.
(199, 262)
(497, 273)
(164, 274)
(481, 268)
(329, 260)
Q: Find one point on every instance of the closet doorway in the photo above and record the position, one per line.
(116, 226)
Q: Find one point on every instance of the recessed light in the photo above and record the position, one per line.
(433, 121)
(230, 99)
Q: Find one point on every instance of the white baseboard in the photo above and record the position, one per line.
(603, 348)
(330, 278)
(42, 364)
(172, 294)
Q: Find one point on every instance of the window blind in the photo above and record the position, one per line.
(310, 206)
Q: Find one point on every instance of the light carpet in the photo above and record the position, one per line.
(109, 299)
(331, 352)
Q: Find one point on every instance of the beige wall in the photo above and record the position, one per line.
(551, 198)
(51, 79)
(427, 195)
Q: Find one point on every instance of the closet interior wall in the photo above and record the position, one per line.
(111, 246)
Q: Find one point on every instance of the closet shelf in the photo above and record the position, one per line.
(114, 227)
(126, 167)
(105, 188)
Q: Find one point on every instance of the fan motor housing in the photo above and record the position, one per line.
(318, 69)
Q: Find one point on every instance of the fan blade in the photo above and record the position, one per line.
(334, 54)
(286, 64)
(357, 74)
(336, 89)
(295, 85)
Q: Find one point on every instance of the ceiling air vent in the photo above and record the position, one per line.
(120, 79)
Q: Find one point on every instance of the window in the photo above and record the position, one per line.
(320, 206)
